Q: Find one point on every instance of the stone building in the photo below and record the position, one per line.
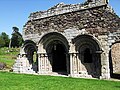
(77, 40)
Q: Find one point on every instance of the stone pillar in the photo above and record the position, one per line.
(41, 52)
(71, 65)
(71, 52)
(43, 61)
(42, 64)
(39, 63)
(105, 69)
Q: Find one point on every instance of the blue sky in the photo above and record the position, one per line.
(16, 12)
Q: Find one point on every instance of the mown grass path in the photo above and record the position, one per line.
(11, 81)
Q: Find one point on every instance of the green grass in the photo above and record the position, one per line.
(8, 56)
(11, 81)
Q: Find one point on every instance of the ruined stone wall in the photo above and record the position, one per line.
(97, 20)
(115, 54)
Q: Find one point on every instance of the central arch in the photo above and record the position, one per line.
(56, 47)
(58, 56)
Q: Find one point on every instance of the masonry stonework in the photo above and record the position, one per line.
(115, 52)
(73, 40)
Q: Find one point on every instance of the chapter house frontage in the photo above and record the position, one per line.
(77, 40)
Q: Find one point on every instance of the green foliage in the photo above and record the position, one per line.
(11, 81)
(16, 40)
(4, 40)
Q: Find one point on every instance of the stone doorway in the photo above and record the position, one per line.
(56, 48)
(59, 59)
(31, 55)
(89, 56)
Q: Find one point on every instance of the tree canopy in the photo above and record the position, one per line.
(4, 40)
(16, 40)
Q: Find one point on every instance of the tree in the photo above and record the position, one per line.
(4, 40)
(2, 43)
(16, 40)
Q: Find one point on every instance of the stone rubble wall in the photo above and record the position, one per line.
(97, 21)
(115, 53)
(62, 8)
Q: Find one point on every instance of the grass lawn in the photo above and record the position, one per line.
(11, 81)
(8, 56)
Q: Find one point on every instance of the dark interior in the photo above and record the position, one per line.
(87, 56)
(59, 58)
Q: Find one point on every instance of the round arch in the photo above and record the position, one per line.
(46, 39)
(78, 41)
(56, 47)
(29, 46)
(89, 50)
(30, 50)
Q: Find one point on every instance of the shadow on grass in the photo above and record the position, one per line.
(117, 86)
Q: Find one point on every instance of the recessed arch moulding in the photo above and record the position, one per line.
(49, 46)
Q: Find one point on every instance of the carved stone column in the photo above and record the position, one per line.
(41, 59)
(71, 53)
(44, 64)
(39, 63)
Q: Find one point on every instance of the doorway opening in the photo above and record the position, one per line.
(87, 56)
(59, 59)
(32, 57)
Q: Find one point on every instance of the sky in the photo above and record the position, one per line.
(16, 12)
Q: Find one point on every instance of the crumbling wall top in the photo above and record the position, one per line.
(62, 8)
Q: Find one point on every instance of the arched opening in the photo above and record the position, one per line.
(31, 55)
(56, 48)
(59, 58)
(89, 55)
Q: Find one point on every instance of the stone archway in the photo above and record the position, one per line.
(30, 50)
(89, 54)
(55, 46)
